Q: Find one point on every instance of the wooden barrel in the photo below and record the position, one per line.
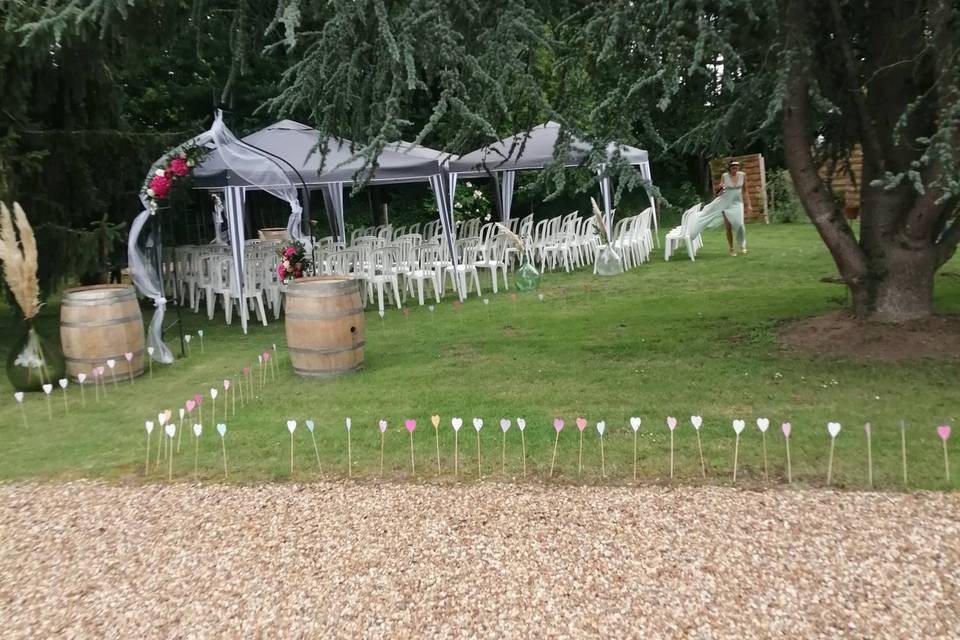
(324, 325)
(101, 323)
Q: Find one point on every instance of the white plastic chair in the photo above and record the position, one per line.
(681, 234)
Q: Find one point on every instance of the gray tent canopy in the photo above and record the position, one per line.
(296, 147)
(535, 149)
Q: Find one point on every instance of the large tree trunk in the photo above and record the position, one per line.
(890, 269)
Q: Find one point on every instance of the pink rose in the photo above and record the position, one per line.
(289, 251)
(281, 271)
(160, 186)
(179, 167)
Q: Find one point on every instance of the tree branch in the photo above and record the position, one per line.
(871, 140)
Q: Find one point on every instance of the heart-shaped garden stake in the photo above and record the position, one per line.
(581, 424)
(411, 425)
(291, 426)
(197, 429)
(149, 426)
(763, 424)
(162, 418)
(558, 427)
(435, 421)
(671, 423)
(833, 428)
(171, 430)
(348, 423)
(190, 405)
(222, 430)
(601, 427)
(944, 432)
(383, 426)
(504, 425)
(383, 430)
(522, 424)
(738, 426)
(183, 412)
(310, 425)
(697, 422)
(786, 428)
(635, 423)
(478, 424)
(456, 423)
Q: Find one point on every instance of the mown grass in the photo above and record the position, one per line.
(676, 338)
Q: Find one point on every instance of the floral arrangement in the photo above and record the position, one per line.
(470, 202)
(293, 261)
(177, 167)
(20, 258)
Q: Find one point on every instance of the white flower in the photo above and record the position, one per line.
(486, 218)
(159, 172)
(477, 193)
(470, 185)
(150, 193)
(457, 205)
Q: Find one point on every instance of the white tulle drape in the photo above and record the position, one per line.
(250, 166)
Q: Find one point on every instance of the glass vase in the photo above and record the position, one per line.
(608, 262)
(527, 278)
(34, 361)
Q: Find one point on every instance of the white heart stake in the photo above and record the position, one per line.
(313, 438)
(291, 426)
(213, 393)
(456, 423)
(601, 427)
(763, 424)
(635, 423)
(222, 430)
(18, 396)
(149, 425)
(310, 425)
(171, 430)
(197, 429)
(521, 424)
(738, 426)
(833, 428)
(696, 421)
(477, 424)
(504, 425)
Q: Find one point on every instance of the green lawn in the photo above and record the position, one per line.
(676, 338)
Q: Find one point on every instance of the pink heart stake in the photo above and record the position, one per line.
(558, 427)
(581, 424)
(671, 425)
(786, 428)
(867, 430)
(944, 432)
(383, 430)
(411, 425)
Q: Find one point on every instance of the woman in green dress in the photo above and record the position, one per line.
(727, 207)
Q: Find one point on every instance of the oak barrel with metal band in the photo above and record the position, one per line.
(101, 323)
(324, 326)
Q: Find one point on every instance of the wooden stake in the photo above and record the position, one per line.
(456, 454)
(23, 414)
(479, 472)
(381, 454)
(180, 432)
(436, 434)
(671, 455)
(868, 429)
(523, 444)
(66, 407)
(413, 467)
(634, 456)
(316, 451)
(833, 441)
(96, 387)
(233, 399)
(349, 456)
(49, 408)
(903, 450)
(146, 468)
(766, 475)
(130, 370)
(603, 463)
(196, 455)
(946, 460)
(789, 470)
(291, 454)
(223, 445)
(703, 468)
(170, 460)
(736, 454)
(580, 457)
(503, 453)
(159, 443)
(554, 458)
(83, 396)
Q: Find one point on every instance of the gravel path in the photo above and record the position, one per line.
(324, 560)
